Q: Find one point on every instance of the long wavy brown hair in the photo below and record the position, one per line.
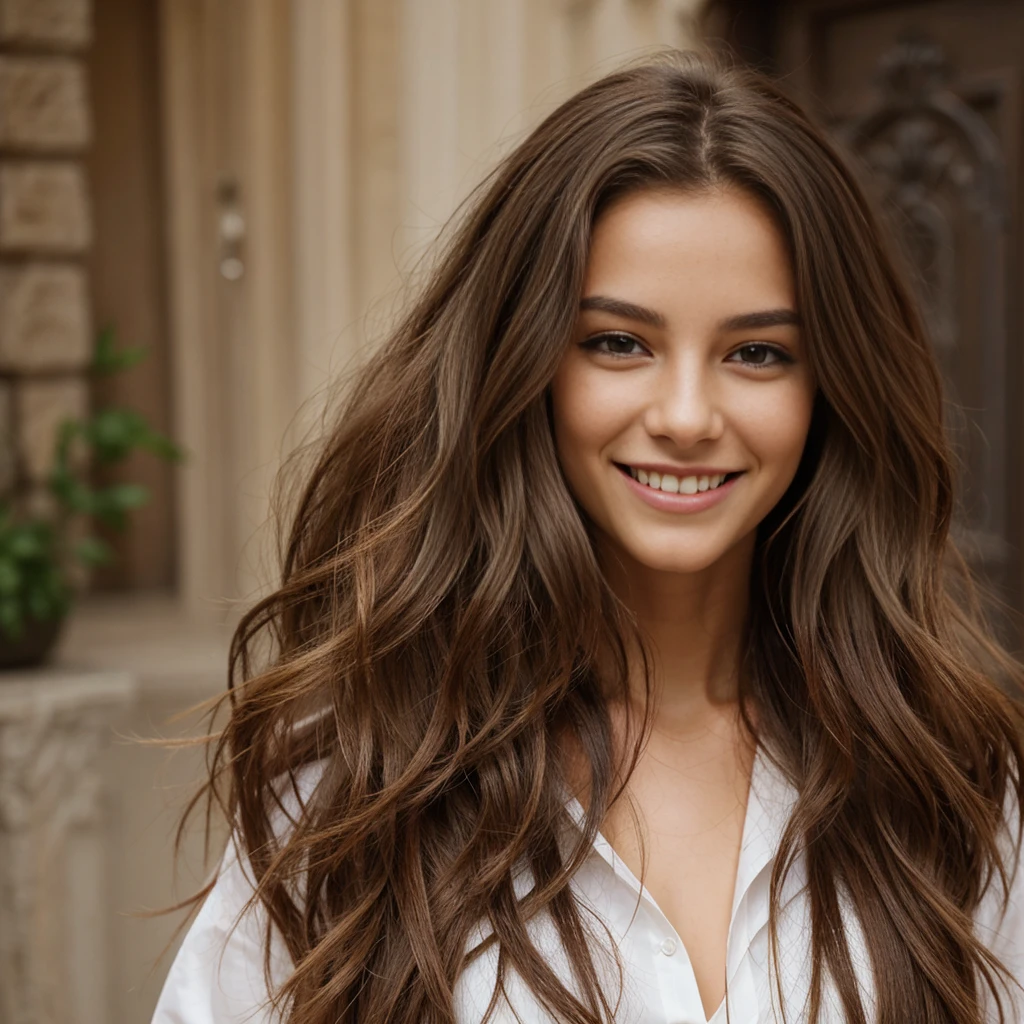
(432, 651)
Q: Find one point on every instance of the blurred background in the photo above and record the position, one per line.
(240, 188)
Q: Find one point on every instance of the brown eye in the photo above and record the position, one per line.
(759, 354)
(615, 344)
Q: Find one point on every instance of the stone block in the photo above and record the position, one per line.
(42, 406)
(44, 207)
(61, 24)
(44, 318)
(43, 103)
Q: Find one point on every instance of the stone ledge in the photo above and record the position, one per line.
(58, 690)
(172, 655)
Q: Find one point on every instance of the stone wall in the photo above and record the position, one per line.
(45, 231)
(53, 725)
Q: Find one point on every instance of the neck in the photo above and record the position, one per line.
(694, 623)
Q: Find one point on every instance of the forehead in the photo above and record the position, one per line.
(711, 251)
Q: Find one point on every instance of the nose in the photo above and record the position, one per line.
(684, 407)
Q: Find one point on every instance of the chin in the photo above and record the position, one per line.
(679, 562)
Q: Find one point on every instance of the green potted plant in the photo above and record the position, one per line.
(40, 554)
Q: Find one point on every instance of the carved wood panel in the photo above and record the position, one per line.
(940, 170)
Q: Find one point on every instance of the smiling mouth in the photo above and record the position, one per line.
(670, 484)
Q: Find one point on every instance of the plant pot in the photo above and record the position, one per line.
(34, 646)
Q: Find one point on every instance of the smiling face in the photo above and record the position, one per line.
(686, 366)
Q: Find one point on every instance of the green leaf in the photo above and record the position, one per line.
(126, 496)
(113, 433)
(11, 618)
(111, 503)
(162, 446)
(108, 358)
(65, 435)
(10, 578)
(104, 347)
(40, 604)
(26, 545)
(93, 551)
(71, 492)
(55, 586)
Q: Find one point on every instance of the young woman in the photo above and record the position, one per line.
(618, 670)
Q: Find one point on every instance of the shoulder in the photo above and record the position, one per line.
(218, 976)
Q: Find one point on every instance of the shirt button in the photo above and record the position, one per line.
(668, 947)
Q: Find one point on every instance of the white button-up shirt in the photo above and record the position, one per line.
(217, 976)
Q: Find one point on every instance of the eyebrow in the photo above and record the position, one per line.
(739, 322)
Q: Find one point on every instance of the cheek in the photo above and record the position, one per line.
(589, 411)
(564, 414)
(776, 429)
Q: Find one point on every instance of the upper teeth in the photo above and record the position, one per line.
(675, 485)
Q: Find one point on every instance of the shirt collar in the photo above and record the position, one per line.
(770, 803)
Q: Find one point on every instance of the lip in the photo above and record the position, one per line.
(665, 502)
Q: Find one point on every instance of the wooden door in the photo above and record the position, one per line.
(226, 68)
